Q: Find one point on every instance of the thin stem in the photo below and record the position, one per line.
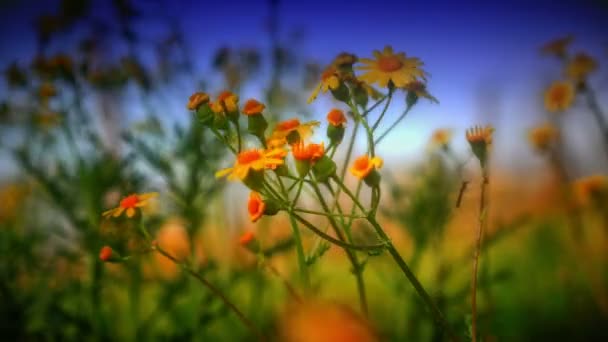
(481, 224)
(214, 290)
(238, 134)
(367, 111)
(437, 315)
(390, 96)
(349, 193)
(319, 213)
(407, 110)
(303, 268)
(598, 115)
(357, 269)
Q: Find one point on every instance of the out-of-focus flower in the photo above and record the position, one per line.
(254, 159)
(345, 60)
(364, 165)
(246, 238)
(106, 254)
(47, 120)
(336, 118)
(417, 89)
(330, 80)
(253, 107)
(173, 238)
(197, 99)
(591, 189)
(441, 137)
(255, 206)
(324, 322)
(225, 102)
(390, 67)
(12, 197)
(15, 76)
(47, 90)
(559, 96)
(288, 129)
(543, 137)
(580, 67)
(480, 138)
(557, 47)
(130, 204)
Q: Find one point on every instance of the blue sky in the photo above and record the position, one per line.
(483, 59)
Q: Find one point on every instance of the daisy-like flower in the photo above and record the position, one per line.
(197, 99)
(255, 206)
(542, 137)
(441, 137)
(364, 165)
(580, 67)
(310, 152)
(559, 96)
(254, 159)
(330, 80)
(130, 204)
(225, 102)
(253, 107)
(283, 129)
(557, 47)
(336, 118)
(390, 67)
(591, 188)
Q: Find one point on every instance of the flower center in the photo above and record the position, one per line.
(129, 201)
(389, 63)
(288, 125)
(247, 157)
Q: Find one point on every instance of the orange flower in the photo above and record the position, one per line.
(284, 128)
(246, 238)
(557, 47)
(580, 67)
(310, 152)
(226, 101)
(105, 254)
(336, 117)
(559, 96)
(129, 204)
(479, 135)
(253, 159)
(255, 206)
(591, 188)
(330, 80)
(363, 165)
(197, 99)
(253, 107)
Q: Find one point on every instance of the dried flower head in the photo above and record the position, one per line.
(543, 137)
(559, 96)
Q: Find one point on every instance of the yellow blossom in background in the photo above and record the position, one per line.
(441, 137)
(559, 96)
(284, 128)
(255, 206)
(197, 99)
(543, 137)
(172, 237)
(253, 159)
(12, 197)
(130, 204)
(580, 67)
(364, 165)
(324, 322)
(590, 189)
(557, 47)
(330, 80)
(390, 67)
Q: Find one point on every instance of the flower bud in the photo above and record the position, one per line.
(249, 241)
(324, 168)
(107, 254)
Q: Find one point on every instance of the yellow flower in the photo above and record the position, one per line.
(557, 47)
(253, 159)
(363, 165)
(226, 102)
(591, 188)
(559, 96)
(336, 118)
(543, 136)
(130, 203)
(12, 197)
(441, 137)
(479, 135)
(197, 99)
(253, 107)
(255, 206)
(390, 67)
(580, 67)
(285, 128)
(330, 80)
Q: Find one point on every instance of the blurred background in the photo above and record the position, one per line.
(93, 108)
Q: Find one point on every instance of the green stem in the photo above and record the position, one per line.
(481, 224)
(383, 135)
(319, 213)
(390, 96)
(303, 268)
